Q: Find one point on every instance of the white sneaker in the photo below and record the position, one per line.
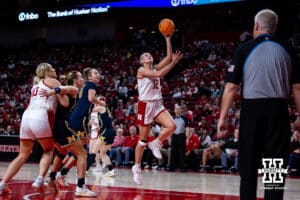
(111, 173)
(154, 167)
(50, 184)
(38, 183)
(154, 147)
(61, 179)
(84, 192)
(97, 169)
(137, 174)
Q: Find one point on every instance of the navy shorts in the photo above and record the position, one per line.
(107, 135)
(80, 127)
(63, 134)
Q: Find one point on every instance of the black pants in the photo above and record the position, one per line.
(264, 133)
(178, 151)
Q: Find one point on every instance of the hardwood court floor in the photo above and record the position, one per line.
(158, 185)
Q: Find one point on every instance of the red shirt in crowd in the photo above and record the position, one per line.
(131, 141)
(192, 143)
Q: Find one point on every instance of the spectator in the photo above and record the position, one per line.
(213, 152)
(294, 159)
(177, 93)
(165, 151)
(192, 143)
(127, 149)
(118, 142)
(9, 131)
(230, 153)
(123, 91)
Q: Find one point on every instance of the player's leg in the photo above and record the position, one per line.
(47, 145)
(78, 150)
(165, 119)
(60, 154)
(139, 150)
(106, 160)
(93, 149)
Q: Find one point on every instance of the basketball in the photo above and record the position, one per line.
(166, 27)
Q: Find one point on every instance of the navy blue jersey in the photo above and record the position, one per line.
(83, 106)
(107, 132)
(80, 114)
(63, 113)
(105, 120)
(72, 104)
(62, 133)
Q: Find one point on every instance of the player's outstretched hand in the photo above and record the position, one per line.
(177, 56)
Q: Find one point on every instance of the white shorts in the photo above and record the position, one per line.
(94, 131)
(148, 111)
(36, 124)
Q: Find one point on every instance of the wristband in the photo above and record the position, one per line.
(57, 90)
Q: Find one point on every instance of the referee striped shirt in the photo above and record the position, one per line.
(265, 67)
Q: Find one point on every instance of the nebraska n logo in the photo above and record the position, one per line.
(140, 117)
(272, 170)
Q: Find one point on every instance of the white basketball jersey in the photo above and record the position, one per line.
(149, 89)
(38, 102)
(94, 122)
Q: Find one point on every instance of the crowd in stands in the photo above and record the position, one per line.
(195, 84)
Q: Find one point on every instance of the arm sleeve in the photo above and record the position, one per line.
(235, 69)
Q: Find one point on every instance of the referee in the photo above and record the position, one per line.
(178, 141)
(267, 72)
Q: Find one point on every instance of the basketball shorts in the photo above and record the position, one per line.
(107, 135)
(80, 127)
(148, 111)
(63, 134)
(36, 124)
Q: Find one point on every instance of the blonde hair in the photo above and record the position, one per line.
(267, 20)
(142, 57)
(41, 70)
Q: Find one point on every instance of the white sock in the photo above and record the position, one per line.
(40, 178)
(138, 165)
(2, 185)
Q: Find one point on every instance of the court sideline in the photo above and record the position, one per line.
(156, 185)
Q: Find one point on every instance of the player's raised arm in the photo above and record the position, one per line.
(145, 72)
(167, 59)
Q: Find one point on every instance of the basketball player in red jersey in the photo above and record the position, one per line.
(150, 105)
